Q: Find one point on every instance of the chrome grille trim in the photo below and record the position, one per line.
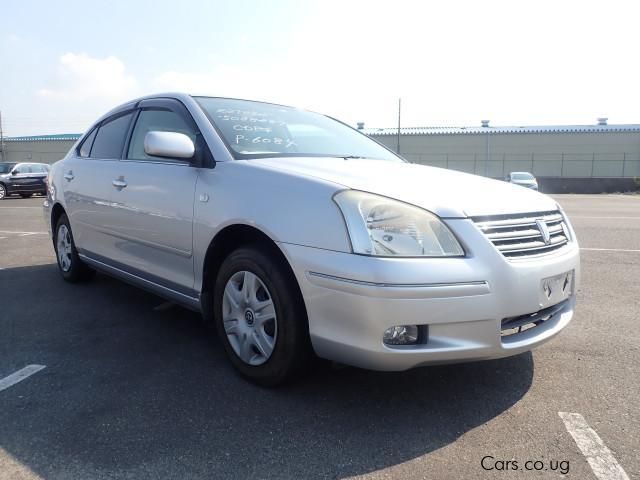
(518, 236)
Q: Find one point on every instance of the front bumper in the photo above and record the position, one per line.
(46, 215)
(352, 299)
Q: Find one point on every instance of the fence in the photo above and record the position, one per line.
(592, 165)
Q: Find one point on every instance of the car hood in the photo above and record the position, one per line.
(446, 193)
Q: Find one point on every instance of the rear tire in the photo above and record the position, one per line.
(70, 266)
(260, 317)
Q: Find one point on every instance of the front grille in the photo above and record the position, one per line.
(521, 235)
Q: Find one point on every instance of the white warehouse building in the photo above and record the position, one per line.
(37, 148)
(597, 157)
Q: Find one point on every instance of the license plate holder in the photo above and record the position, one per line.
(556, 289)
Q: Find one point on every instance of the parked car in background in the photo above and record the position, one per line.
(524, 179)
(293, 234)
(25, 179)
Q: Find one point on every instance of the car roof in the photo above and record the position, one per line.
(179, 96)
(185, 98)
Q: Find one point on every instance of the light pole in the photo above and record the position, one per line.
(399, 107)
(485, 124)
(1, 139)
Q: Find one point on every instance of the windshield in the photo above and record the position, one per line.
(522, 176)
(255, 130)
(6, 167)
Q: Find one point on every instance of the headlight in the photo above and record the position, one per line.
(384, 227)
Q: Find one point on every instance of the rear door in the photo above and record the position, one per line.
(154, 198)
(87, 186)
(39, 173)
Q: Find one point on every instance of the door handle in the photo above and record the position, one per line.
(119, 183)
(69, 176)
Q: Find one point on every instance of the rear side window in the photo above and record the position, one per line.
(85, 148)
(155, 120)
(110, 138)
(35, 168)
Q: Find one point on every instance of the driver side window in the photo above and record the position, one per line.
(155, 120)
(24, 168)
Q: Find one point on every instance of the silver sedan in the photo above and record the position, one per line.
(296, 235)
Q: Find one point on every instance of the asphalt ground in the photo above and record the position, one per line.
(135, 390)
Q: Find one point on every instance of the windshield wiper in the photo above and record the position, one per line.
(347, 157)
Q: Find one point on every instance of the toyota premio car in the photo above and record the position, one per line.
(294, 234)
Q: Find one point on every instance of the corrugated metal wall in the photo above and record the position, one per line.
(544, 154)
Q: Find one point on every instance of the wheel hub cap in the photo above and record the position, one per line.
(63, 247)
(249, 318)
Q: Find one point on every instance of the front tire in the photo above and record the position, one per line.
(260, 317)
(70, 266)
(3, 191)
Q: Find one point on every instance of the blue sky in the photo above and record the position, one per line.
(453, 63)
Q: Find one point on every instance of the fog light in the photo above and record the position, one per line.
(401, 335)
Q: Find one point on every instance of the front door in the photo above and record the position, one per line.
(23, 179)
(153, 202)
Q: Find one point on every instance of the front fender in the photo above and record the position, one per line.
(286, 207)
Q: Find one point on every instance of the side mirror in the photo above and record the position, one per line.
(14, 172)
(168, 144)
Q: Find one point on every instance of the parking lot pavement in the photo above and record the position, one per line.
(23, 231)
(130, 390)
